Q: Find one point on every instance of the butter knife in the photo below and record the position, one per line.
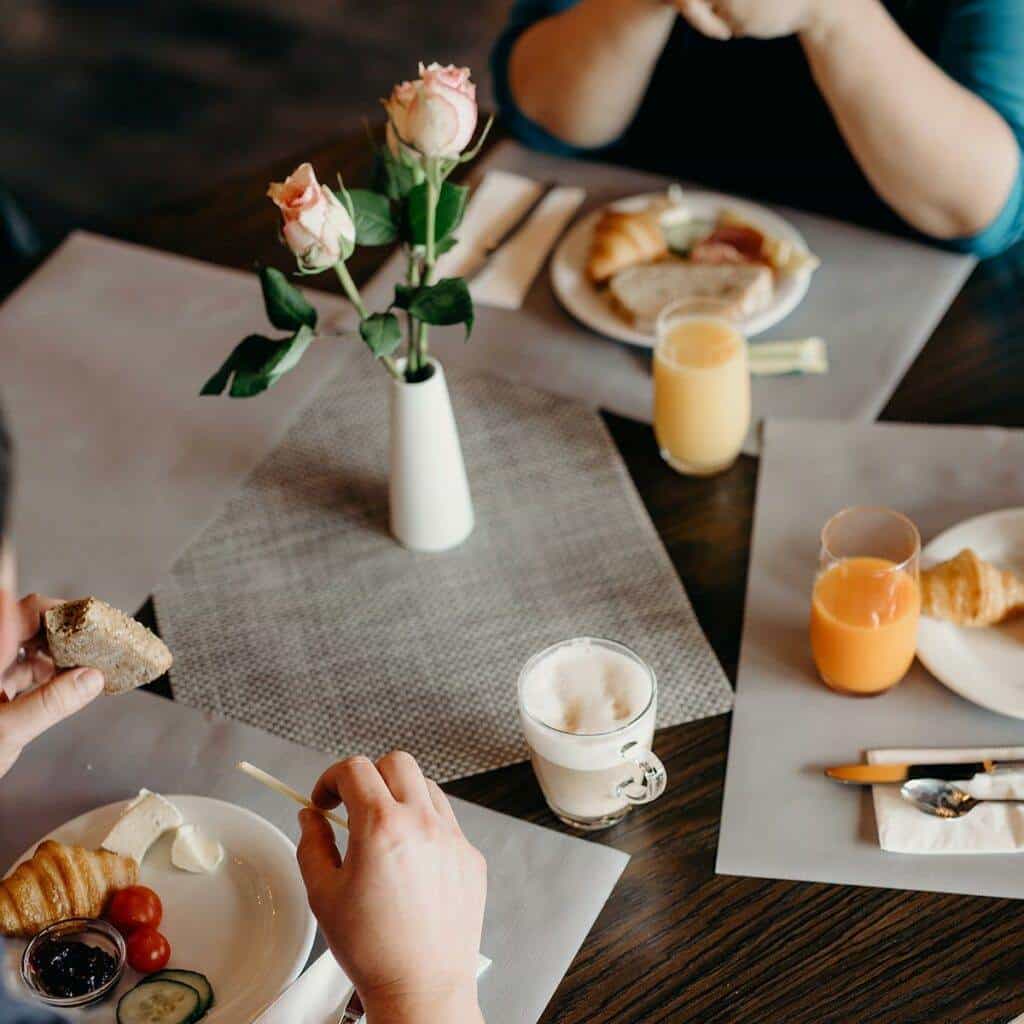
(513, 229)
(875, 774)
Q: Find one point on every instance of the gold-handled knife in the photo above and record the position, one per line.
(880, 774)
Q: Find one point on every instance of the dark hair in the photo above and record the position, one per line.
(6, 466)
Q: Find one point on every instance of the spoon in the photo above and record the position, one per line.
(946, 799)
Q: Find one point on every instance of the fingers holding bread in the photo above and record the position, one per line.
(90, 633)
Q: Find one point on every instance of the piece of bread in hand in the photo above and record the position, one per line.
(623, 240)
(60, 882)
(89, 633)
(639, 294)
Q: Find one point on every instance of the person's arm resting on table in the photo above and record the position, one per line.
(403, 910)
(570, 74)
(940, 142)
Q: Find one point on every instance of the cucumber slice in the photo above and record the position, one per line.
(191, 978)
(159, 1002)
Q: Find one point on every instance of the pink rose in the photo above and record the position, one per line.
(435, 115)
(317, 228)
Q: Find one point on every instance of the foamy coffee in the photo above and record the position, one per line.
(587, 708)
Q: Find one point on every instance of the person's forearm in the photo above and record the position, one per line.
(582, 74)
(940, 156)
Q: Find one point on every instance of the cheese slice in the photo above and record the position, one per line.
(193, 850)
(141, 824)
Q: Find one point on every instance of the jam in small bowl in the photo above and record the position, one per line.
(73, 963)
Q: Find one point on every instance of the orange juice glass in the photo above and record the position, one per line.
(701, 388)
(866, 601)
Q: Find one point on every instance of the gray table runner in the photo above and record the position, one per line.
(787, 726)
(545, 889)
(875, 299)
(297, 612)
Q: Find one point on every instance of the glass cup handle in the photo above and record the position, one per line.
(653, 776)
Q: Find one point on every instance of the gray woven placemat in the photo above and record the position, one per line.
(295, 611)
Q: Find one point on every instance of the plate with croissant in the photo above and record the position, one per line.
(619, 266)
(971, 635)
(233, 906)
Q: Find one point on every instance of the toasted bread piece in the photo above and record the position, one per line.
(92, 634)
(639, 294)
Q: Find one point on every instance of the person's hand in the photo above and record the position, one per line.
(55, 697)
(403, 911)
(763, 19)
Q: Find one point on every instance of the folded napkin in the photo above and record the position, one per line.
(779, 358)
(320, 995)
(990, 828)
(497, 203)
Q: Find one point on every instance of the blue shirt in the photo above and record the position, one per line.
(746, 116)
(12, 1012)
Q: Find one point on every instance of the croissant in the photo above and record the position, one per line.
(623, 240)
(60, 882)
(970, 592)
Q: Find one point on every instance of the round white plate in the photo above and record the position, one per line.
(583, 301)
(247, 926)
(983, 665)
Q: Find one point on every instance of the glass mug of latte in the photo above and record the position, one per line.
(587, 708)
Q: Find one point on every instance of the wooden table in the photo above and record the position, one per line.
(676, 942)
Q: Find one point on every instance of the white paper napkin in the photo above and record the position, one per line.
(319, 996)
(497, 203)
(990, 828)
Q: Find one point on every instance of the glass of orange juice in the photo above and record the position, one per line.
(701, 388)
(866, 600)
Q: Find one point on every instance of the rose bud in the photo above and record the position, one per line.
(317, 228)
(436, 114)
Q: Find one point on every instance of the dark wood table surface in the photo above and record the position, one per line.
(676, 942)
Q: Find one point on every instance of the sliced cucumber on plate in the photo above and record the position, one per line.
(191, 978)
(159, 1002)
(167, 997)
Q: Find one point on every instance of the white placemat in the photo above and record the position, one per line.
(545, 889)
(781, 817)
(119, 461)
(875, 299)
(297, 612)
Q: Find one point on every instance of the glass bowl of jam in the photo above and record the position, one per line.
(74, 963)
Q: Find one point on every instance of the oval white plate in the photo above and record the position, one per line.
(247, 926)
(985, 666)
(583, 301)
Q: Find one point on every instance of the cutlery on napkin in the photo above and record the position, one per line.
(320, 995)
(989, 828)
(501, 277)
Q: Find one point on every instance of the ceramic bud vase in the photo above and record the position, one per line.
(431, 509)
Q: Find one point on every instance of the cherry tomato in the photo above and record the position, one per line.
(148, 950)
(133, 907)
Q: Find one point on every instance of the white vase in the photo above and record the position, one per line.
(431, 509)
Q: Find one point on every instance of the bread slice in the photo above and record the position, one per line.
(91, 634)
(639, 294)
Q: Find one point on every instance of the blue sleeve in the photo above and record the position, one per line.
(982, 47)
(524, 14)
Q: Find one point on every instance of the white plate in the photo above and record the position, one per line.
(583, 301)
(247, 926)
(983, 665)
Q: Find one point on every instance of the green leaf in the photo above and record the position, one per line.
(347, 247)
(257, 363)
(404, 295)
(451, 205)
(444, 244)
(393, 176)
(447, 302)
(373, 220)
(382, 333)
(287, 307)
